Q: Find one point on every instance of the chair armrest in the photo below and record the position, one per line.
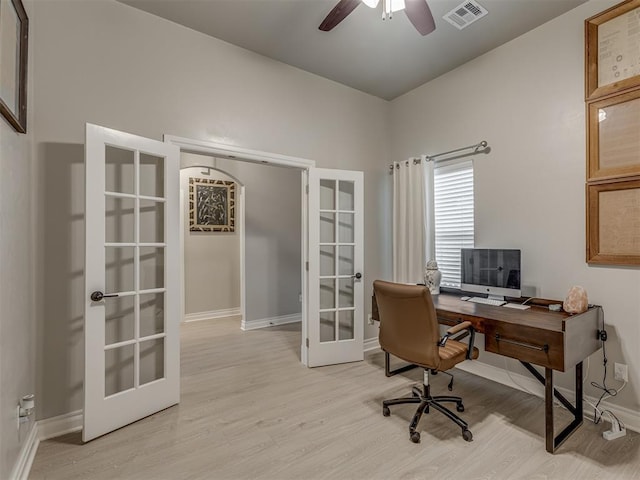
(466, 325)
(458, 327)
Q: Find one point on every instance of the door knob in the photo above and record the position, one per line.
(357, 276)
(98, 295)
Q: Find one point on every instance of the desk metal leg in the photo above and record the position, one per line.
(578, 413)
(548, 409)
(553, 442)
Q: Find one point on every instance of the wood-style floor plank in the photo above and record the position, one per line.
(250, 410)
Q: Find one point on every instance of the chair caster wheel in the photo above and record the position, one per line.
(385, 411)
(467, 435)
(415, 437)
(460, 407)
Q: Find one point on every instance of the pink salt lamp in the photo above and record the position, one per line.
(576, 301)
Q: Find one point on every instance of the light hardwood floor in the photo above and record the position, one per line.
(250, 410)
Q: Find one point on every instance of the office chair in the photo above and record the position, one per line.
(409, 330)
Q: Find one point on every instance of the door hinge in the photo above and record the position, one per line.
(306, 265)
(307, 343)
(306, 189)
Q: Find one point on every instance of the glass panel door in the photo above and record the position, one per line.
(335, 266)
(132, 310)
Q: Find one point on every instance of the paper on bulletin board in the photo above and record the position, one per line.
(619, 48)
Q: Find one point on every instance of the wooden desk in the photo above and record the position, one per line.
(553, 340)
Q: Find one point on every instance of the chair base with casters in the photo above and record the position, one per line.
(426, 401)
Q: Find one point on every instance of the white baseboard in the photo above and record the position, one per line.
(22, 467)
(60, 425)
(630, 418)
(270, 322)
(43, 430)
(225, 312)
(371, 344)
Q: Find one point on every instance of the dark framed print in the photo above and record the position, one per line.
(612, 50)
(14, 41)
(613, 137)
(613, 223)
(211, 205)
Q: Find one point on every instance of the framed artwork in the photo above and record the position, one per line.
(613, 223)
(612, 50)
(14, 39)
(613, 137)
(211, 205)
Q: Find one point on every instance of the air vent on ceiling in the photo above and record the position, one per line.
(465, 14)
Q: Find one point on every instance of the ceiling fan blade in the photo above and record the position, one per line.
(420, 15)
(339, 13)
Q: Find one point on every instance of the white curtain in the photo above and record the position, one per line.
(413, 219)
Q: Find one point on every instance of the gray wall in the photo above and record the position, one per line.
(17, 295)
(109, 64)
(528, 103)
(272, 238)
(211, 259)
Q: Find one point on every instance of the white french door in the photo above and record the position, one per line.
(132, 311)
(336, 291)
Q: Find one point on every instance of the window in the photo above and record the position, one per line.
(453, 203)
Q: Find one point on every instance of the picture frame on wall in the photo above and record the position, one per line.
(612, 41)
(613, 223)
(14, 41)
(613, 137)
(211, 205)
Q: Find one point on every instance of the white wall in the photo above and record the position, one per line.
(106, 63)
(17, 295)
(211, 259)
(526, 99)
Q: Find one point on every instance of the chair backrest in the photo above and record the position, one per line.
(408, 322)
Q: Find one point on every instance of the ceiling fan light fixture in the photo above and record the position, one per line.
(391, 6)
(417, 11)
(371, 3)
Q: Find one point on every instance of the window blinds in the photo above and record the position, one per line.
(453, 201)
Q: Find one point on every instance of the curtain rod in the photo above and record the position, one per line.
(482, 147)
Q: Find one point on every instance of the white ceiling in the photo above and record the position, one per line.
(383, 58)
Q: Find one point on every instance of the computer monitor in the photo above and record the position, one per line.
(493, 271)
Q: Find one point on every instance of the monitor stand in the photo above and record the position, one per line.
(498, 298)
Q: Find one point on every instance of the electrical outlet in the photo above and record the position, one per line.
(370, 319)
(620, 372)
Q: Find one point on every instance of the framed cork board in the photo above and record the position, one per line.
(614, 136)
(612, 47)
(613, 223)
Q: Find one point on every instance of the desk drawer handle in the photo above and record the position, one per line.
(544, 348)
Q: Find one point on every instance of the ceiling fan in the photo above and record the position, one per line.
(417, 11)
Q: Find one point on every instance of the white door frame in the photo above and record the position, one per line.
(234, 152)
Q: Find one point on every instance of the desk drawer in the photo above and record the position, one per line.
(540, 347)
